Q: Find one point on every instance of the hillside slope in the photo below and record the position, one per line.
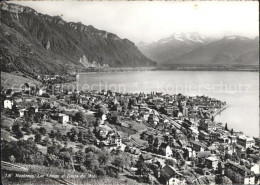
(33, 43)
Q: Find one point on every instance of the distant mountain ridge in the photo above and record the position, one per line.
(230, 50)
(33, 43)
(194, 49)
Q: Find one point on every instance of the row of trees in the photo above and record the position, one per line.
(92, 159)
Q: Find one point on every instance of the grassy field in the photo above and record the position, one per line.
(123, 131)
(133, 125)
(9, 79)
(6, 122)
(139, 141)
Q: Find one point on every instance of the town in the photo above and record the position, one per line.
(143, 137)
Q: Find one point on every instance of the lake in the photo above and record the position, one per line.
(239, 89)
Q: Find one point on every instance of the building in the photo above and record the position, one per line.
(189, 151)
(257, 141)
(8, 104)
(204, 135)
(165, 150)
(255, 168)
(185, 112)
(223, 139)
(63, 118)
(146, 157)
(232, 139)
(202, 156)
(208, 125)
(212, 126)
(239, 174)
(170, 176)
(198, 146)
(21, 112)
(108, 139)
(41, 91)
(152, 119)
(245, 141)
(33, 109)
(115, 138)
(212, 162)
(214, 135)
(155, 144)
(103, 118)
(175, 111)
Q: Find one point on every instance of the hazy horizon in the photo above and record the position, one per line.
(148, 21)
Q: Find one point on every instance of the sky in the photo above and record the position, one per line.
(149, 21)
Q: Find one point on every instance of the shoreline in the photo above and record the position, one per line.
(218, 112)
(97, 72)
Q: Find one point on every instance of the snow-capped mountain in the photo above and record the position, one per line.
(195, 49)
(173, 46)
(184, 37)
(233, 37)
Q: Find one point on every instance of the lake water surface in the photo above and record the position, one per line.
(239, 89)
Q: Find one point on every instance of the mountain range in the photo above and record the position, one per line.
(34, 43)
(194, 49)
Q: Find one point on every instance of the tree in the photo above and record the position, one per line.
(38, 138)
(75, 137)
(220, 168)
(226, 127)
(16, 127)
(226, 180)
(46, 141)
(38, 117)
(142, 168)
(24, 151)
(111, 172)
(119, 162)
(66, 157)
(100, 172)
(102, 110)
(52, 134)
(80, 117)
(227, 156)
(91, 161)
(232, 131)
(58, 135)
(9, 91)
(97, 122)
(26, 127)
(15, 110)
(93, 165)
(19, 135)
(42, 130)
(91, 148)
(53, 150)
(104, 158)
(170, 162)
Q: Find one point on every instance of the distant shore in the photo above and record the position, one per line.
(178, 67)
(184, 67)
